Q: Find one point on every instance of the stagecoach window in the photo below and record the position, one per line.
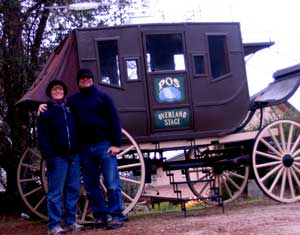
(164, 52)
(109, 62)
(218, 55)
(132, 69)
(199, 68)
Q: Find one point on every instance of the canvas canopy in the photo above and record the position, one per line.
(62, 65)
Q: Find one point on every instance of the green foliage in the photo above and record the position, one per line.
(166, 206)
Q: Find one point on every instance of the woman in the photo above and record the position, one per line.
(58, 145)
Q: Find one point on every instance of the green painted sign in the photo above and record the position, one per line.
(169, 89)
(170, 118)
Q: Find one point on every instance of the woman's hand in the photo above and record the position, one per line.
(113, 150)
(42, 108)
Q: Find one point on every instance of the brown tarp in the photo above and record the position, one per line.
(62, 64)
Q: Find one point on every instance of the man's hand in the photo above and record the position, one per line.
(113, 150)
(42, 108)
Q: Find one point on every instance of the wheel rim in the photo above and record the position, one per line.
(276, 160)
(32, 181)
(127, 170)
(231, 183)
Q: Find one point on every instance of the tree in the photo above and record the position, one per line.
(29, 30)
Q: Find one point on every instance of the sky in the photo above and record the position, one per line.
(260, 21)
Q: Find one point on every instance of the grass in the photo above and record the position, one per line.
(169, 207)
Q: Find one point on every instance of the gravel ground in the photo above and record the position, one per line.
(255, 217)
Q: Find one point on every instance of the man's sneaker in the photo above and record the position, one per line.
(56, 231)
(100, 223)
(115, 223)
(73, 227)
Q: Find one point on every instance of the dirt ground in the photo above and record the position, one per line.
(252, 217)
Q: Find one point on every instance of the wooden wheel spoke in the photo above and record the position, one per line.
(283, 183)
(236, 175)
(296, 153)
(40, 202)
(130, 180)
(203, 188)
(290, 181)
(276, 180)
(295, 168)
(127, 196)
(129, 166)
(267, 155)
(282, 137)
(277, 168)
(32, 167)
(275, 141)
(201, 178)
(29, 179)
(232, 181)
(268, 164)
(33, 191)
(297, 163)
(291, 133)
(270, 147)
(35, 154)
(103, 185)
(227, 188)
(85, 209)
(295, 177)
(125, 151)
(295, 145)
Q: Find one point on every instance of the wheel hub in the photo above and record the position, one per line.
(287, 160)
(218, 170)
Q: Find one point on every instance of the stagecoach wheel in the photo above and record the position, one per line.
(32, 185)
(132, 175)
(229, 182)
(276, 160)
(32, 182)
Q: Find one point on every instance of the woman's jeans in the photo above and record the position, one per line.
(96, 161)
(63, 189)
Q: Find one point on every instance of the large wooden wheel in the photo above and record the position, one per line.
(230, 182)
(32, 180)
(276, 160)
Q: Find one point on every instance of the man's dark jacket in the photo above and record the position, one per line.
(96, 117)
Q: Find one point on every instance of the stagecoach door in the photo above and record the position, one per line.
(167, 81)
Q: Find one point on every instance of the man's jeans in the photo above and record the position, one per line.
(63, 186)
(95, 162)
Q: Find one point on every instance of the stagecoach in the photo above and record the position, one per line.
(179, 86)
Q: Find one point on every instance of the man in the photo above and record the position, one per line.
(99, 133)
